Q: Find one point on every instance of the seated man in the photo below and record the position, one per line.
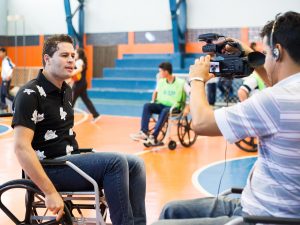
(170, 91)
(272, 115)
(43, 123)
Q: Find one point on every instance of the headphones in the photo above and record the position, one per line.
(275, 51)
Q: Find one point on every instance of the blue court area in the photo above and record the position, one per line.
(3, 129)
(236, 173)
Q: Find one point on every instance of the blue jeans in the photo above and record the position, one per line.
(154, 108)
(123, 178)
(5, 86)
(208, 211)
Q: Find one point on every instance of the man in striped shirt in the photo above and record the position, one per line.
(273, 115)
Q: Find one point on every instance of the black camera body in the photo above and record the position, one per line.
(224, 64)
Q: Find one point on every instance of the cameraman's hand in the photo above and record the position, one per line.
(231, 50)
(201, 68)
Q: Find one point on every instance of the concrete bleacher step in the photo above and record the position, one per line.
(117, 93)
(140, 62)
(149, 73)
(129, 83)
(116, 107)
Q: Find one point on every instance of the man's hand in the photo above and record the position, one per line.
(55, 204)
(201, 68)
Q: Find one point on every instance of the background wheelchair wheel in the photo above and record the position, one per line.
(34, 200)
(248, 144)
(162, 132)
(186, 135)
(172, 145)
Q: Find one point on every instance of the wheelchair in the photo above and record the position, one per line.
(187, 137)
(36, 211)
(257, 219)
(248, 144)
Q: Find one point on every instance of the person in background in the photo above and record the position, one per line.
(170, 91)
(6, 75)
(79, 86)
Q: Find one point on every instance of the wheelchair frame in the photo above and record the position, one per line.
(100, 204)
(166, 130)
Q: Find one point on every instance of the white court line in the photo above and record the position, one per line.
(6, 132)
(85, 116)
(199, 171)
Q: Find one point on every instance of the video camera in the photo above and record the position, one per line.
(229, 65)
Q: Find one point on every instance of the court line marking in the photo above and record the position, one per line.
(85, 116)
(196, 174)
(7, 131)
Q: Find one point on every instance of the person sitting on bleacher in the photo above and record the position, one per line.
(43, 123)
(170, 92)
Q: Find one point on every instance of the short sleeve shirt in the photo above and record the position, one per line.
(272, 115)
(47, 110)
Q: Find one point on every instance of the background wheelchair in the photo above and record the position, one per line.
(35, 211)
(185, 134)
(248, 144)
(257, 219)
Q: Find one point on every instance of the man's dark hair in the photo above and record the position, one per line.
(253, 46)
(286, 33)
(50, 45)
(3, 49)
(166, 66)
(82, 56)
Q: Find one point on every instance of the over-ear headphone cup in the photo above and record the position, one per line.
(276, 53)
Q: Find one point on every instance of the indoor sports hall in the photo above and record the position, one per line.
(126, 45)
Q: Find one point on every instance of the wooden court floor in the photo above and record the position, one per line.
(169, 173)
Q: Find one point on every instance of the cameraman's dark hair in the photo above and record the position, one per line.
(50, 45)
(3, 49)
(166, 66)
(286, 33)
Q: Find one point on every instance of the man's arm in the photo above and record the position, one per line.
(242, 94)
(154, 95)
(26, 155)
(204, 122)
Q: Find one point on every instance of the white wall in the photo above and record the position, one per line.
(48, 16)
(3, 10)
(236, 13)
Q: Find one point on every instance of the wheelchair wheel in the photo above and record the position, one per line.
(248, 144)
(34, 201)
(162, 132)
(172, 145)
(186, 135)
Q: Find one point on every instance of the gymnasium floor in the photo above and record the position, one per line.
(180, 174)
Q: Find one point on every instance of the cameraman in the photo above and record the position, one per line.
(273, 186)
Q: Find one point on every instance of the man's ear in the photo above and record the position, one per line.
(46, 58)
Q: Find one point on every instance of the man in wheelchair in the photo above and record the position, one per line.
(272, 115)
(43, 123)
(170, 92)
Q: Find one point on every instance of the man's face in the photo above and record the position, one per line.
(270, 62)
(162, 73)
(2, 55)
(62, 63)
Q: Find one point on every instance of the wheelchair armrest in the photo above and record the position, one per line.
(236, 190)
(6, 114)
(271, 220)
(53, 162)
(82, 150)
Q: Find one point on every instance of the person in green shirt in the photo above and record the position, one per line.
(170, 92)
